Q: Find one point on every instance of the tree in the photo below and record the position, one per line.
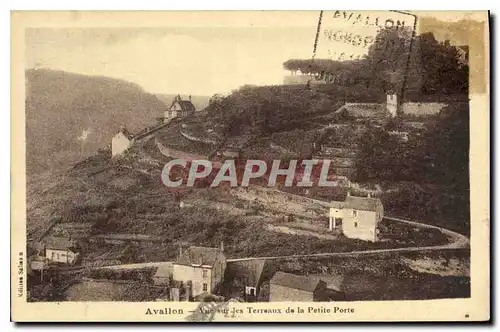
(448, 143)
(397, 60)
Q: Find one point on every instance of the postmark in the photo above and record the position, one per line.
(354, 37)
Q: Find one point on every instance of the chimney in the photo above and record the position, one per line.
(222, 246)
(189, 97)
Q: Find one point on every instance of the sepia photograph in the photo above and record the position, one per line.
(250, 166)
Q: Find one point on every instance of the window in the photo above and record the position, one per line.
(354, 213)
(250, 290)
(53, 255)
(355, 225)
(204, 273)
(205, 287)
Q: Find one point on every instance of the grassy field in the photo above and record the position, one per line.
(112, 291)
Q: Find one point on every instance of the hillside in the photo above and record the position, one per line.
(70, 116)
(429, 171)
(103, 197)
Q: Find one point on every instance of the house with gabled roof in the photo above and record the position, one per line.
(359, 217)
(291, 287)
(202, 268)
(61, 250)
(121, 142)
(179, 108)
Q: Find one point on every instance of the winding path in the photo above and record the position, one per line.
(456, 241)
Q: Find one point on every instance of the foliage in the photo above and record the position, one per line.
(382, 277)
(439, 155)
(442, 206)
(436, 162)
(142, 292)
(424, 64)
(122, 274)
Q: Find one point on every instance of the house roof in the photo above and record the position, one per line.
(362, 203)
(164, 270)
(306, 283)
(37, 258)
(334, 282)
(59, 243)
(364, 110)
(126, 133)
(250, 272)
(186, 105)
(200, 255)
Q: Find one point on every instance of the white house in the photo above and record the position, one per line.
(179, 108)
(121, 142)
(201, 267)
(358, 216)
(61, 250)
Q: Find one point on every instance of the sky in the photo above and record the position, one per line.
(195, 61)
(200, 54)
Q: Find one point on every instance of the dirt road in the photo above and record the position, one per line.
(456, 241)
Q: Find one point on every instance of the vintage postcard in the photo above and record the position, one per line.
(321, 166)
